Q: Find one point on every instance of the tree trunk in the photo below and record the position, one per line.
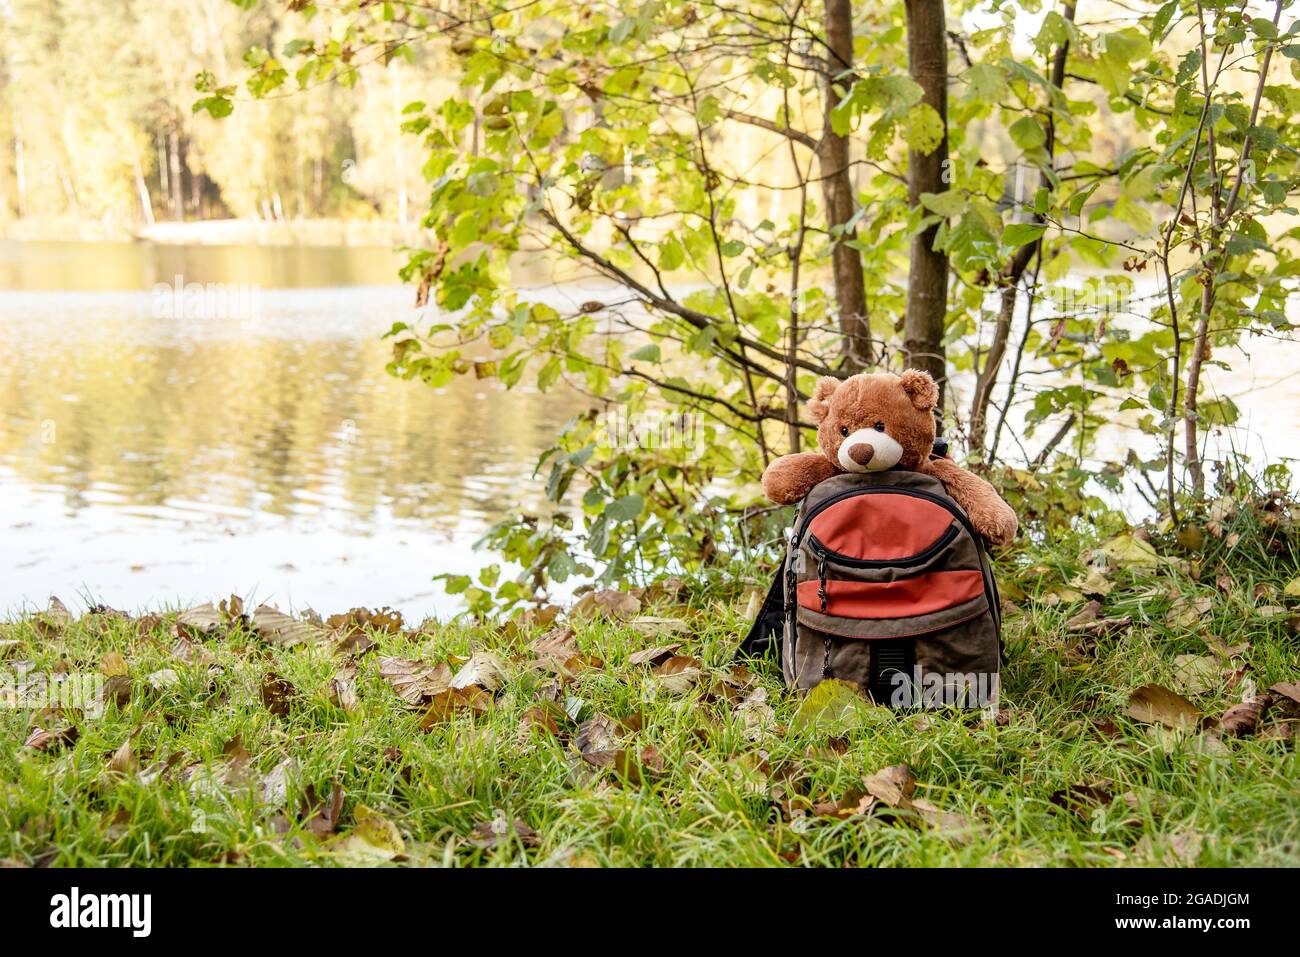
(174, 163)
(837, 188)
(927, 284)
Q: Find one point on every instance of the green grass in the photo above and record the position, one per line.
(721, 798)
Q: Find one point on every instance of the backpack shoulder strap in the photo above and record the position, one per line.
(767, 627)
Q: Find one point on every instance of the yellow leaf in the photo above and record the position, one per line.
(1129, 550)
(1292, 588)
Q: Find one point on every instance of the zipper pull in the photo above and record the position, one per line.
(821, 578)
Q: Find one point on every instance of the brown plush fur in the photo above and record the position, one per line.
(905, 404)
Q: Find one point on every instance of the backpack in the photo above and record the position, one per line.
(885, 584)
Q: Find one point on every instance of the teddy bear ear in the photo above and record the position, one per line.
(819, 406)
(920, 388)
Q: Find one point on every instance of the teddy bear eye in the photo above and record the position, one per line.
(880, 426)
(844, 431)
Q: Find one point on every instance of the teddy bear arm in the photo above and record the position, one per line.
(788, 479)
(992, 517)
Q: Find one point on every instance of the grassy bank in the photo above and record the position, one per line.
(580, 742)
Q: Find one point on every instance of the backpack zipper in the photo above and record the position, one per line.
(990, 588)
(920, 558)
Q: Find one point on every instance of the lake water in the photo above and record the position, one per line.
(157, 450)
(160, 450)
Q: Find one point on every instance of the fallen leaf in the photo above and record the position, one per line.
(489, 834)
(415, 682)
(1082, 799)
(484, 670)
(1197, 674)
(341, 690)
(164, 679)
(893, 785)
(41, 739)
(757, 717)
(607, 603)
(652, 656)
(1292, 588)
(117, 689)
(200, 620)
(372, 838)
(321, 818)
(1153, 704)
(277, 628)
(1243, 718)
(124, 760)
(949, 823)
(447, 704)
(599, 734)
(652, 626)
(360, 619)
(1287, 689)
(678, 674)
(832, 704)
(191, 653)
(1094, 582)
(1129, 550)
(277, 693)
(558, 643)
(113, 664)
(1188, 612)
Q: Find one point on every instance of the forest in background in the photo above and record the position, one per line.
(98, 126)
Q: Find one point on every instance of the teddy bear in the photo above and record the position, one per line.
(874, 421)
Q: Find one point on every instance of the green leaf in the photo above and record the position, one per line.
(1027, 133)
(923, 128)
(624, 509)
(647, 353)
(1021, 234)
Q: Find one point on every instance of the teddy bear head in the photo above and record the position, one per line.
(871, 422)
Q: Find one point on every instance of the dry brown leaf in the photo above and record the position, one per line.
(485, 670)
(607, 603)
(124, 760)
(1197, 674)
(277, 693)
(277, 628)
(321, 818)
(1188, 612)
(41, 739)
(115, 689)
(1153, 704)
(200, 620)
(893, 785)
(652, 656)
(447, 704)
(1287, 689)
(341, 691)
(678, 674)
(559, 643)
(488, 834)
(360, 619)
(652, 626)
(164, 679)
(1243, 718)
(597, 734)
(415, 682)
(191, 653)
(1082, 799)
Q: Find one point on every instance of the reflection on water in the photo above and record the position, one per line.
(152, 455)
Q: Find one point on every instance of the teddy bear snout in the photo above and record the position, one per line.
(861, 453)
